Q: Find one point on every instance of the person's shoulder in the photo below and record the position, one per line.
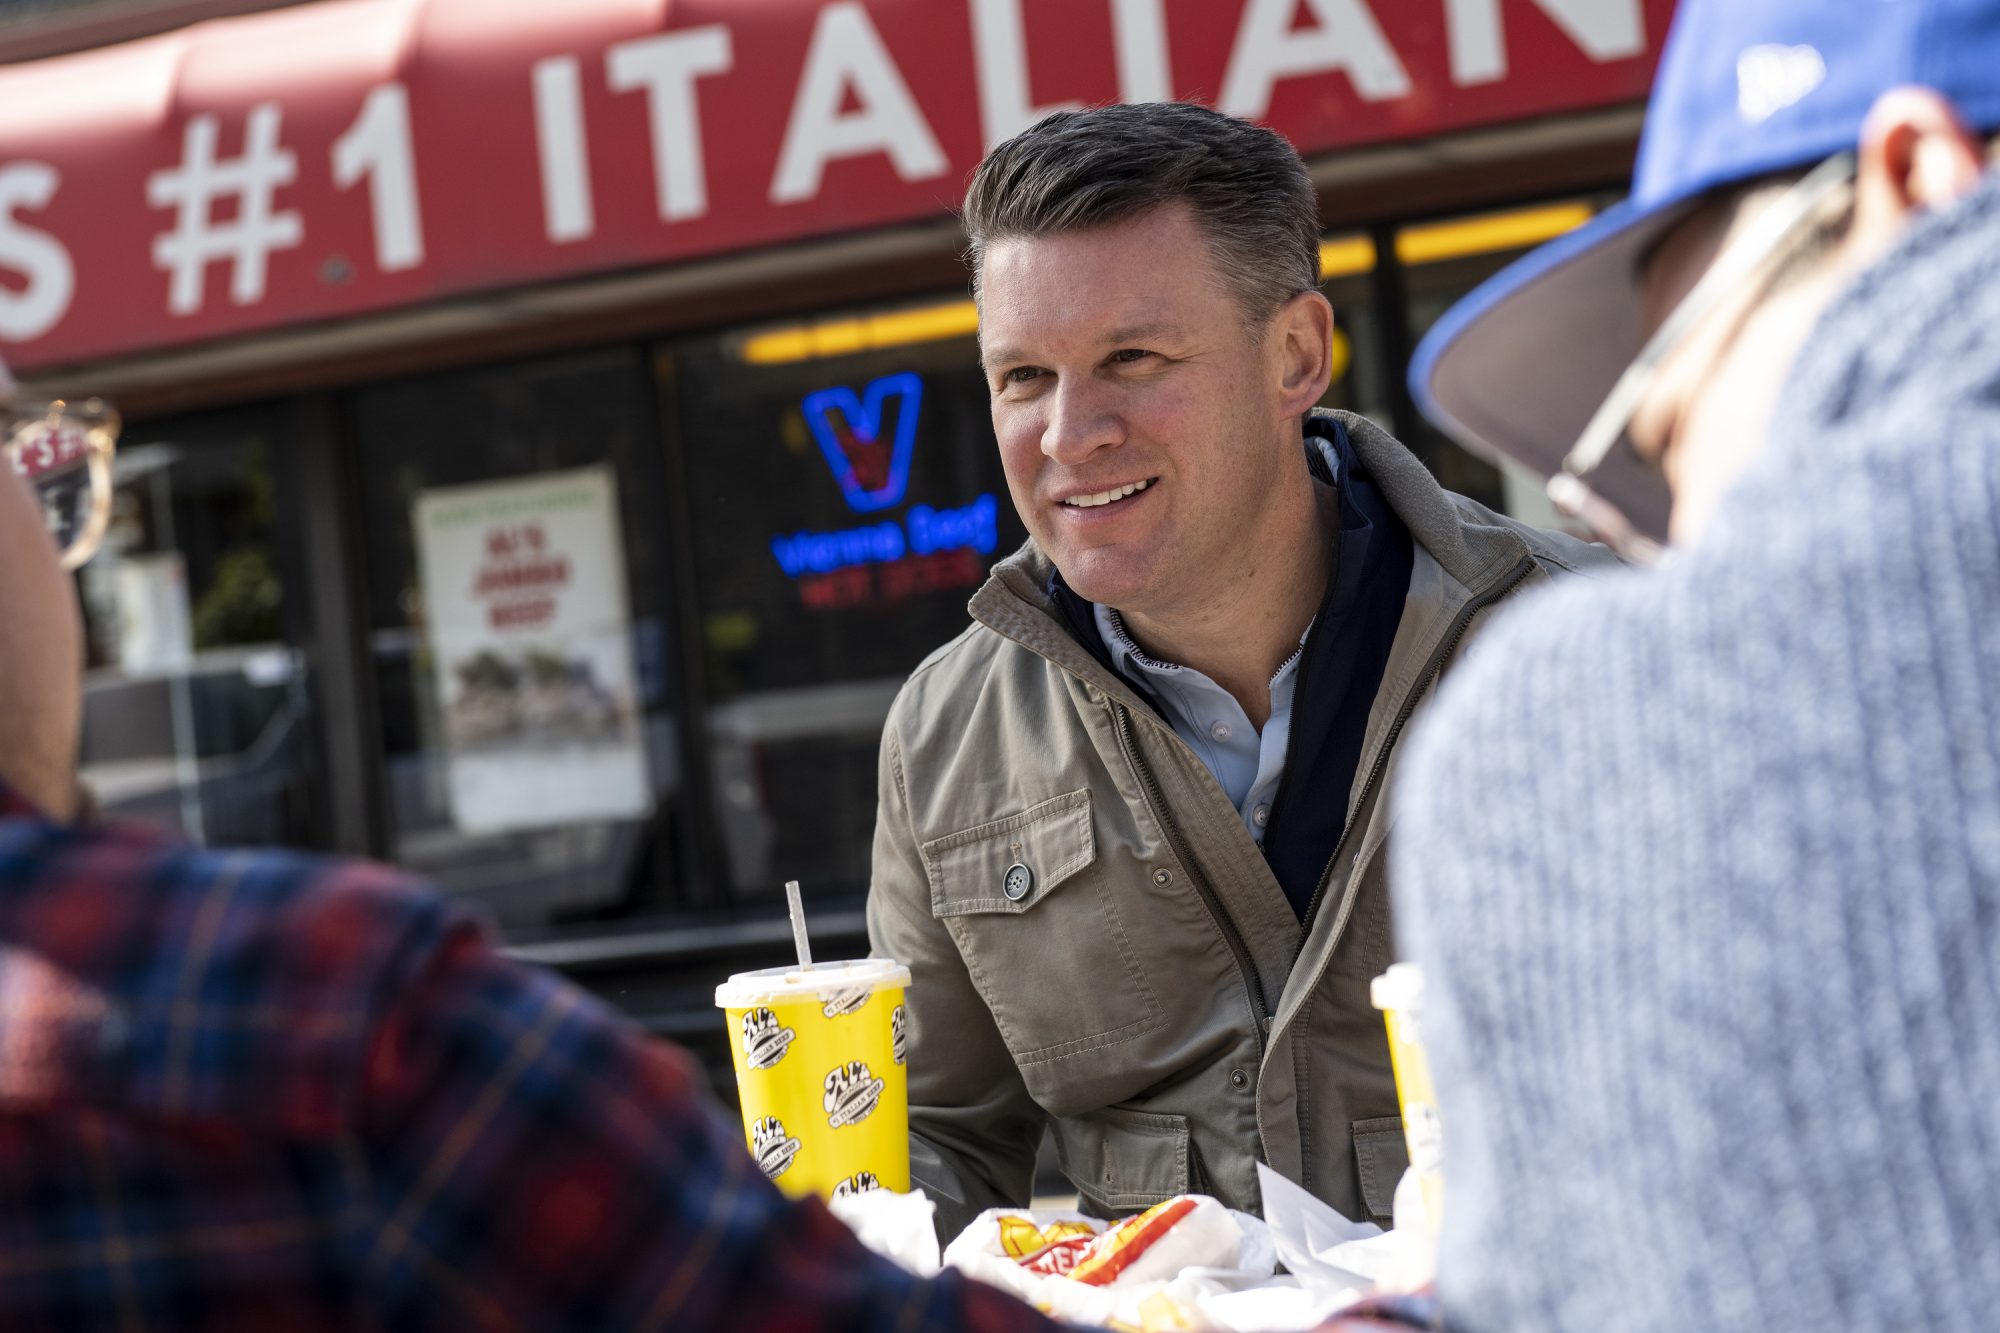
(1561, 624)
(1013, 598)
(308, 902)
(1556, 552)
(969, 653)
(161, 882)
(1534, 661)
(975, 660)
(239, 985)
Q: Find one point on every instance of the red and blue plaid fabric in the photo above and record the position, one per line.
(273, 1093)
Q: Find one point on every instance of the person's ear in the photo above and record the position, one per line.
(1916, 154)
(1303, 336)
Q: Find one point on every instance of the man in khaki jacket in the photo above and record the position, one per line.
(1131, 831)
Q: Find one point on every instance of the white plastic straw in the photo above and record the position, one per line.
(798, 922)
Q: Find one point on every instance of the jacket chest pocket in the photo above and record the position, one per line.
(1040, 929)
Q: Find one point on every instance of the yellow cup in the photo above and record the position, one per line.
(819, 1057)
(1399, 994)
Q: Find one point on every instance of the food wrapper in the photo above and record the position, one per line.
(1187, 1231)
(1267, 1305)
(1191, 1265)
(1330, 1254)
(1016, 1248)
(896, 1226)
(1150, 1272)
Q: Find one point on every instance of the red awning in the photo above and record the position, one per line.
(349, 156)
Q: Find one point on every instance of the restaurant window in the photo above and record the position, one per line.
(1361, 379)
(1443, 260)
(846, 500)
(518, 624)
(197, 715)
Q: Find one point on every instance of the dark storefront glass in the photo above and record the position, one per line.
(197, 715)
(1361, 379)
(844, 507)
(1444, 260)
(529, 747)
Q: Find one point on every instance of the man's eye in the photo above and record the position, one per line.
(1022, 374)
(1127, 355)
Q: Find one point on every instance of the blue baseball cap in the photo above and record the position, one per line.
(1745, 89)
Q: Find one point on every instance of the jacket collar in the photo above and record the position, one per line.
(1476, 554)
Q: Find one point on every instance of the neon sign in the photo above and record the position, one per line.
(924, 531)
(873, 471)
(868, 440)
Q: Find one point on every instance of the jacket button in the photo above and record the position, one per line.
(1163, 877)
(1238, 1079)
(1018, 881)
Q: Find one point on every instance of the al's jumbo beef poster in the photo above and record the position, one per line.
(531, 650)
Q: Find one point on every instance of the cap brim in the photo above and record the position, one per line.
(1515, 370)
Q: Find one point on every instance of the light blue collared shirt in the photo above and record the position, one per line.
(1206, 716)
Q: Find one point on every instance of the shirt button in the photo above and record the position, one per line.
(1238, 1079)
(1163, 877)
(1017, 881)
(1261, 815)
(1220, 731)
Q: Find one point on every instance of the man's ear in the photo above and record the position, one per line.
(1916, 155)
(1302, 334)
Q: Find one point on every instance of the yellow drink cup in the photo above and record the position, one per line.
(1399, 994)
(819, 1057)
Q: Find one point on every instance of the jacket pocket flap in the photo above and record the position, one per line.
(1010, 864)
(1124, 1161)
(1380, 1155)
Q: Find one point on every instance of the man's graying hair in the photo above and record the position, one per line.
(1075, 170)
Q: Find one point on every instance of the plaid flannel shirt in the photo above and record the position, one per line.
(263, 1091)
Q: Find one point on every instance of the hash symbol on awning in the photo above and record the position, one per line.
(247, 240)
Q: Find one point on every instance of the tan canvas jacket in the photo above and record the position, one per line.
(1151, 995)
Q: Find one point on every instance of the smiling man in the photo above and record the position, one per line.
(1131, 830)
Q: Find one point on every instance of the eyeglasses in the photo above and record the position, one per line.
(1744, 272)
(64, 451)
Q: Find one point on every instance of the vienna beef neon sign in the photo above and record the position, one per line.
(924, 531)
(868, 440)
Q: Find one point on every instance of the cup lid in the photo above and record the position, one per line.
(775, 985)
(1401, 987)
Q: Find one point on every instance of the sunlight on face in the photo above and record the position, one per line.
(1134, 409)
(1709, 410)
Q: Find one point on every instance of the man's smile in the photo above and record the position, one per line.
(1106, 501)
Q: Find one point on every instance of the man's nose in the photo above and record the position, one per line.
(1082, 419)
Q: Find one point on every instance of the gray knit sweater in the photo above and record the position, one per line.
(1703, 863)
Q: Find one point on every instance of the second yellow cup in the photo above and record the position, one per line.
(1399, 993)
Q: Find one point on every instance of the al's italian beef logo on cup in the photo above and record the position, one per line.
(819, 1055)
